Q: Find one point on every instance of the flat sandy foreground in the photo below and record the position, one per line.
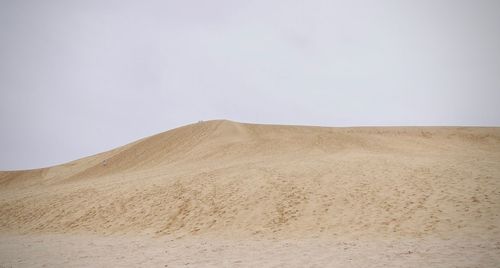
(127, 251)
(227, 194)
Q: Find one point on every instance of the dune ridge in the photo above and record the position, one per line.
(227, 178)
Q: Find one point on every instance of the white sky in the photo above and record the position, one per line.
(81, 77)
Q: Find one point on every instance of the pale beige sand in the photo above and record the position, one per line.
(202, 251)
(246, 182)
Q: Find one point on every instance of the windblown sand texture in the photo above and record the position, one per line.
(237, 181)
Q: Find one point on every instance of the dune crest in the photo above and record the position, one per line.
(227, 178)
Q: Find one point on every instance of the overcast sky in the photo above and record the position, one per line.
(82, 77)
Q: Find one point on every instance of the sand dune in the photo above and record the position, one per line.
(230, 179)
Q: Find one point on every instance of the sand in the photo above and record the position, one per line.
(201, 251)
(268, 195)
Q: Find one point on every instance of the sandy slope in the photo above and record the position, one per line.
(232, 180)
